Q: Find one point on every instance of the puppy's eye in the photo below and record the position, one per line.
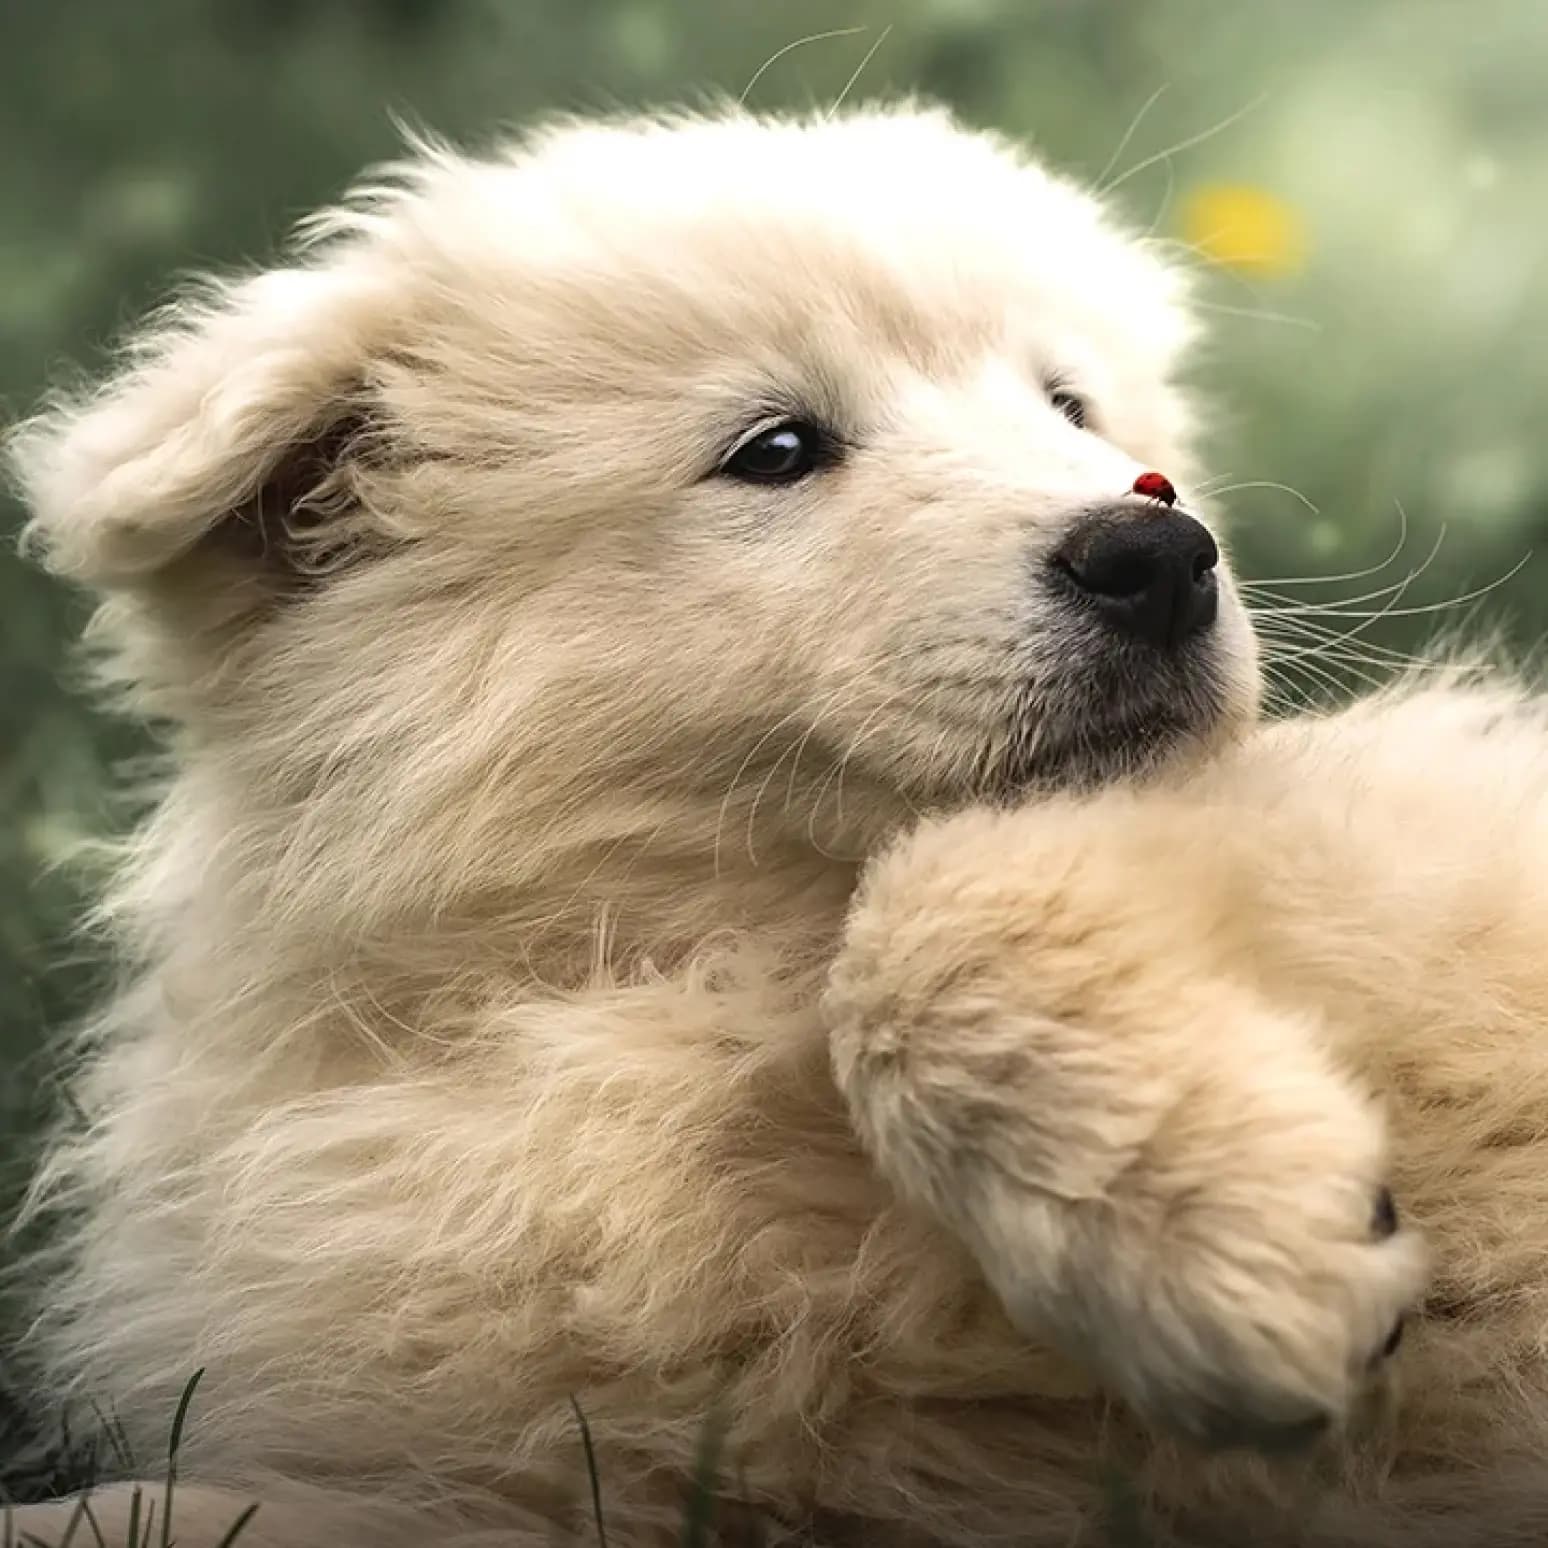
(1070, 404)
(779, 455)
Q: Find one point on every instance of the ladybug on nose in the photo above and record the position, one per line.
(1155, 486)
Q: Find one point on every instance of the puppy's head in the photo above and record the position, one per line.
(662, 455)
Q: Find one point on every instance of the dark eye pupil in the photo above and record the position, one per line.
(1071, 405)
(776, 452)
(780, 454)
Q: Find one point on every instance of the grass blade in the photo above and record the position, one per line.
(91, 1520)
(135, 1499)
(173, 1447)
(238, 1526)
(701, 1503)
(117, 1439)
(757, 1537)
(591, 1469)
(72, 1525)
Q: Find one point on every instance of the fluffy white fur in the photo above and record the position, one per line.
(577, 952)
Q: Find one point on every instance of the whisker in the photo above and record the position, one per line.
(1342, 636)
(1296, 623)
(1258, 314)
(1430, 607)
(838, 770)
(1128, 134)
(1295, 698)
(736, 779)
(1272, 675)
(1319, 686)
(1274, 680)
(1166, 198)
(746, 763)
(1206, 263)
(1339, 638)
(789, 48)
(1263, 483)
(1294, 607)
(796, 747)
(1369, 653)
(795, 767)
(1334, 668)
(1349, 575)
(1305, 609)
(800, 748)
(870, 54)
(1209, 485)
(1107, 188)
(854, 746)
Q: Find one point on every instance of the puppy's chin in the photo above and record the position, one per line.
(1119, 729)
(1086, 757)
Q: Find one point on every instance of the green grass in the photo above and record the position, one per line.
(69, 1467)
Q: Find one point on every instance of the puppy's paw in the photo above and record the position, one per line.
(1243, 1294)
(1156, 1167)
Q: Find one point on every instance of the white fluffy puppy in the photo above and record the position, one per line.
(718, 860)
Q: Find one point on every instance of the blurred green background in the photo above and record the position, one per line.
(1365, 183)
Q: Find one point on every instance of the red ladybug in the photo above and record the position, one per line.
(1155, 486)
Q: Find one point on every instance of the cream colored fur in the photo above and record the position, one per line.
(579, 950)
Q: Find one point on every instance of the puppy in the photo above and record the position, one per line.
(719, 865)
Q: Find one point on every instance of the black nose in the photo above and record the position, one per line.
(1151, 573)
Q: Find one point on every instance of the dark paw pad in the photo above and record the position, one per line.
(1384, 1222)
(1390, 1348)
(1394, 1338)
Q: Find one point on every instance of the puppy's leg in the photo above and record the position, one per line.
(1153, 1166)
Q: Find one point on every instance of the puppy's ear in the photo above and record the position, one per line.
(228, 429)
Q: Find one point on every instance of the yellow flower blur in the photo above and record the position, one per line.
(1246, 228)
